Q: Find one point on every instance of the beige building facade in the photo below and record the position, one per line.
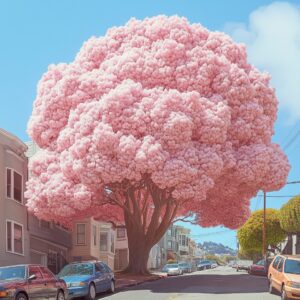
(92, 239)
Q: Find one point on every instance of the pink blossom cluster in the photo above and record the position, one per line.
(162, 97)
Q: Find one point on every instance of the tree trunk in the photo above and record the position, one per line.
(138, 258)
(146, 219)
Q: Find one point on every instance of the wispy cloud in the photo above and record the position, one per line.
(272, 36)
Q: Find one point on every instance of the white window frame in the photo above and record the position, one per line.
(80, 244)
(13, 185)
(13, 237)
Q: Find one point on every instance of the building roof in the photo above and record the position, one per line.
(13, 138)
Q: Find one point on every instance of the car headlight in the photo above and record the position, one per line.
(75, 284)
(293, 284)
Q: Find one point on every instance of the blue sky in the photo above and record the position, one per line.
(37, 33)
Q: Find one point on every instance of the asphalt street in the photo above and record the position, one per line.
(222, 283)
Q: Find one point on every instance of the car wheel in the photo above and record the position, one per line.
(60, 295)
(271, 289)
(283, 294)
(112, 287)
(91, 293)
(21, 296)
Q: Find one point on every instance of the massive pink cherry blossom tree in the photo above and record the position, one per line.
(156, 120)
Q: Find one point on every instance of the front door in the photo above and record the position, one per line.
(37, 287)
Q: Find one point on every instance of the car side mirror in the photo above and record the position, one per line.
(32, 277)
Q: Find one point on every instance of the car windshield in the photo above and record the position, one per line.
(205, 262)
(172, 266)
(292, 266)
(12, 273)
(183, 265)
(77, 269)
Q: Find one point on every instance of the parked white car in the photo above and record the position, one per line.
(172, 269)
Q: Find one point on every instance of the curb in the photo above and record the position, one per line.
(124, 286)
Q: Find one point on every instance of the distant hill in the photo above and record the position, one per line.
(215, 248)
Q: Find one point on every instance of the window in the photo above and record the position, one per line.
(8, 183)
(35, 270)
(14, 237)
(77, 270)
(280, 265)
(121, 233)
(261, 263)
(53, 261)
(105, 268)
(95, 235)
(47, 273)
(103, 241)
(112, 242)
(9, 236)
(14, 185)
(276, 261)
(292, 266)
(80, 234)
(100, 268)
(97, 268)
(169, 244)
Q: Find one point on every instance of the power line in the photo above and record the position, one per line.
(293, 182)
(279, 196)
(210, 233)
(282, 196)
(291, 132)
(292, 140)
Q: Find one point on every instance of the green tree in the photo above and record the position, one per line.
(254, 255)
(228, 258)
(289, 215)
(216, 258)
(250, 234)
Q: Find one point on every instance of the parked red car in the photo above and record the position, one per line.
(30, 282)
(260, 268)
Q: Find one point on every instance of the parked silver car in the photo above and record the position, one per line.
(172, 269)
(186, 267)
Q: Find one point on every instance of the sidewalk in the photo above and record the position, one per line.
(127, 280)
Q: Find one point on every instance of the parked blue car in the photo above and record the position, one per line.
(86, 279)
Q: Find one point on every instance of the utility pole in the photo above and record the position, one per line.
(264, 253)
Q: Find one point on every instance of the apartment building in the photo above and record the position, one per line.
(183, 241)
(49, 242)
(172, 243)
(14, 248)
(92, 239)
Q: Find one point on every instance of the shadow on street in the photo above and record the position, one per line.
(208, 284)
